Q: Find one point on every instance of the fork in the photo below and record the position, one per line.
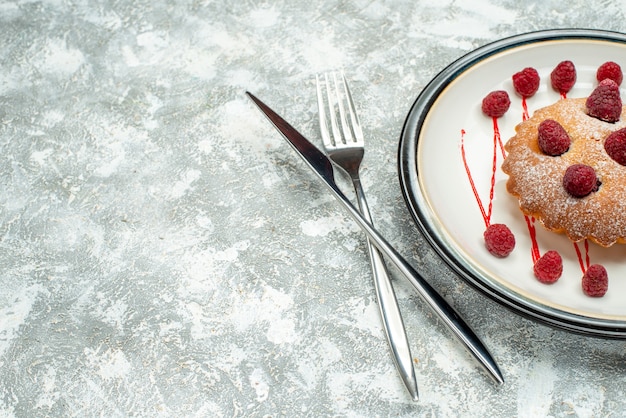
(345, 146)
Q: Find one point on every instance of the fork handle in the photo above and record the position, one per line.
(388, 305)
(451, 319)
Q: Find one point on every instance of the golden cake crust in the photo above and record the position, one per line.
(536, 179)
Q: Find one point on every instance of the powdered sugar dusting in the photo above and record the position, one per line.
(536, 178)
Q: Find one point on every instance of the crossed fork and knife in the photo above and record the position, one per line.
(344, 148)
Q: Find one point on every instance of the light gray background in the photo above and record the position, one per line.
(164, 253)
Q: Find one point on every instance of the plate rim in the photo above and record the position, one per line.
(408, 173)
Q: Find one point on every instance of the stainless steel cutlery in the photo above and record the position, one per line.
(323, 167)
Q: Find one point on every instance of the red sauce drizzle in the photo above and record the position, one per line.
(486, 217)
(497, 139)
(534, 250)
(497, 143)
(525, 114)
(584, 265)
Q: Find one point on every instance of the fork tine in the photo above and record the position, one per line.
(339, 121)
(332, 100)
(326, 138)
(347, 133)
(354, 116)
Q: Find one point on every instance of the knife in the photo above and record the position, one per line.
(323, 167)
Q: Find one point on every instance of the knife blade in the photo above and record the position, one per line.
(323, 167)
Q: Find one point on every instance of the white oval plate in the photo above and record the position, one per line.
(439, 196)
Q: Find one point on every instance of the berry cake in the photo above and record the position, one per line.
(567, 166)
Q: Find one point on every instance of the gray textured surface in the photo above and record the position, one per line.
(164, 253)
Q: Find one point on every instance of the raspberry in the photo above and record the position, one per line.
(615, 146)
(496, 103)
(563, 77)
(526, 82)
(604, 102)
(610, 70)
(580, 180)
(553, 139)
(499, 240)
(549, 267)
(595, 282)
